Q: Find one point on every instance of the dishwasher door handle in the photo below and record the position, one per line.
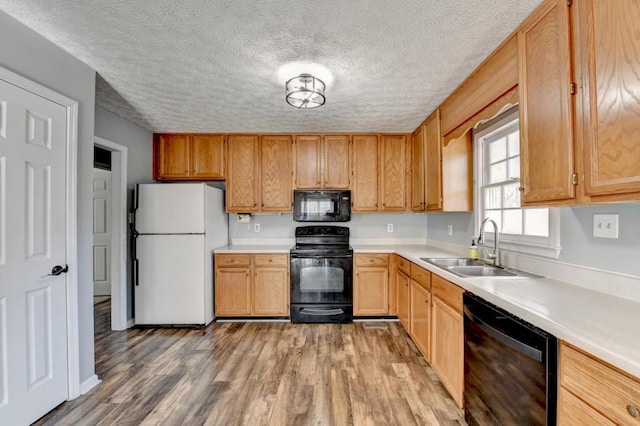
(513, 343)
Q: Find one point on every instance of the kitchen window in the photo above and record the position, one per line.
(497, 190)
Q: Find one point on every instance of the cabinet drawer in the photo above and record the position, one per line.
(608, 390)
(404, 265)
(362, 259)
(447, 292)
(233, 260)
(270, 260)
(421, 276)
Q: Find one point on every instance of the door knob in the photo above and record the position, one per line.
(57, 270)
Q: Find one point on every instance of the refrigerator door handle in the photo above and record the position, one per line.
(136, 272)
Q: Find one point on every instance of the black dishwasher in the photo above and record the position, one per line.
(510, 368)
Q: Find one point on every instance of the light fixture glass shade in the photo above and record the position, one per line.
(305, 91)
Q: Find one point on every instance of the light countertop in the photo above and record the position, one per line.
(601, 324)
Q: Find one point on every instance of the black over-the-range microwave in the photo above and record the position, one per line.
(321, 206)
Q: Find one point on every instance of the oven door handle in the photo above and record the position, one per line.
(505, 339)
(320, 256)
(321, 312)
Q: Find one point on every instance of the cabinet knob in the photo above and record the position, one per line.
(633, 410)
(521, 188)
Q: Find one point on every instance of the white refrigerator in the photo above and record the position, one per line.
(177, 226)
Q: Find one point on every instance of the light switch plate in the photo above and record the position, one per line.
(605, 225)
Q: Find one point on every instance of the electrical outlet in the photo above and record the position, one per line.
(256, 227)
(389, 227)
(605, 226)
(450, 230)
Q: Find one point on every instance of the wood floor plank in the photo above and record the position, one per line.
(259, 374)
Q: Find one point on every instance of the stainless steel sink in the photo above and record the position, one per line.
(480, 271)
(466, 267)
(445, 262)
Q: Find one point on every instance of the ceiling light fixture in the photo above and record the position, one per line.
(305, 91)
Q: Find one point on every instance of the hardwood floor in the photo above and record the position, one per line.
(259, 374)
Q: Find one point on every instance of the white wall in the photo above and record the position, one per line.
(361, 226)
(139, 143)
(25, 52)
(579, 247)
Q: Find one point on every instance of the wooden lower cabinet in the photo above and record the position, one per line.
(371, 285)
(233, 290)
(251, 285)
(447, 336)
(402, 283)
(420, 317)
(594, 392)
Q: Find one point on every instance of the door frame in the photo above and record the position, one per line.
(71, 215)
(119, 234)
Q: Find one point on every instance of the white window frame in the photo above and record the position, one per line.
(524, 244)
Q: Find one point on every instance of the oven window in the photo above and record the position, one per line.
(323, 279)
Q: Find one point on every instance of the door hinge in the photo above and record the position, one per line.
(573, 88)
(574, 179)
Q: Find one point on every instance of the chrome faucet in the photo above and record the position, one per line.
(495, 255)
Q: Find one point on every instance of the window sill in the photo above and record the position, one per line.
(541, 250)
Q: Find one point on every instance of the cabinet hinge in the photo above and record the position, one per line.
(573, 88)
(574, 179)
(569, 3)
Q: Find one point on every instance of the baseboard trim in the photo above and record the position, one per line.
(131, 323)
(89, 384)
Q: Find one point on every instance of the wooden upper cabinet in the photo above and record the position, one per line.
(417, 171)
(243, 174)
(308, 162)
(322, 162)
(393, 173)
(173, 156)
(365, 173)
(188, 157)
(607, 50)
(433, 165)
(336, 162)
(276, 173)
(546, 117)
(208, 156)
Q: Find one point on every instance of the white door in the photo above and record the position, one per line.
(101, 232)
(33, 334)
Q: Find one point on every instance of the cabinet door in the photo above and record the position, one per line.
(417, 170)
(572, 411)
(365, 173)
(174, 157)
(420, 317)
(433, 161)
(233, 296)
(308, 162)
(276, 173)
(336, 164)
(371, 291)
(447, 347)
(207, 157)
(242, 174)
(393, 176)
(271, 292)
(608, 48)
(546, 135)
(402, 283)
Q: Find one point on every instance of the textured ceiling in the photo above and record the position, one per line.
(212, 66)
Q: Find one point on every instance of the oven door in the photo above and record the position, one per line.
(321, 279)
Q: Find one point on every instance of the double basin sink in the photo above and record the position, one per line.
(466, 268)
